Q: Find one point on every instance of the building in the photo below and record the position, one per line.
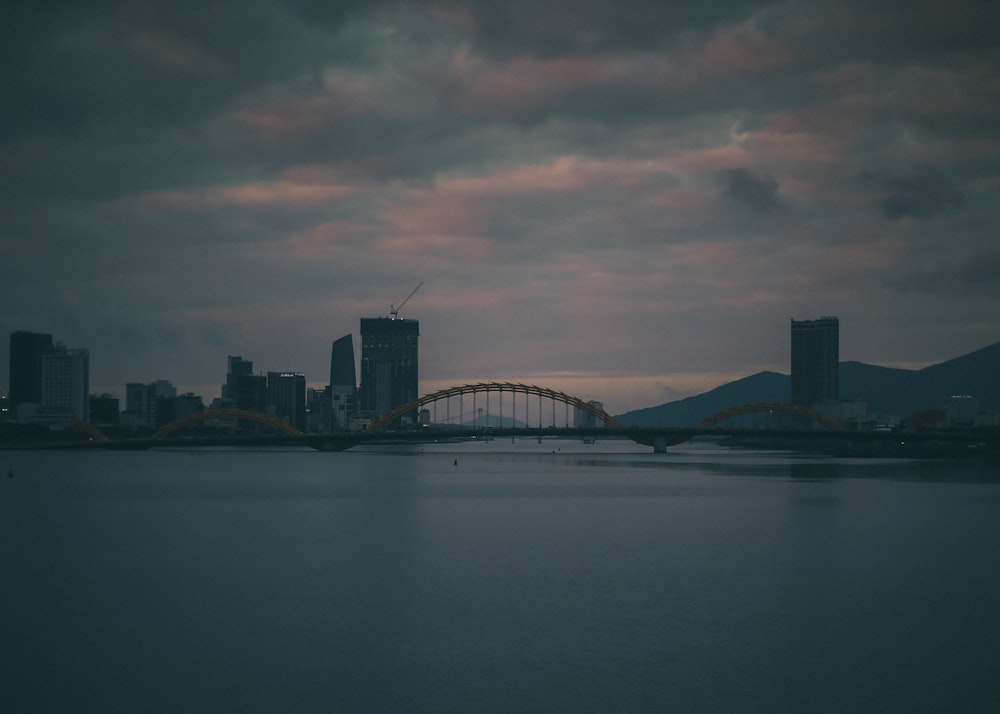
(343, 383)
(104, 411)
(244, 389)
(26, 352)
(286, 397)
(250, 392)
(961, 410)
(815, 361)
(389, 366)
(178, 407)
(149, 405)
(584, 419)
(237, 367)
(318, 403)
(65, 387)
(137, 404)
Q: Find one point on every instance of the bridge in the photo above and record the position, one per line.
(454, 413)
(447, 397)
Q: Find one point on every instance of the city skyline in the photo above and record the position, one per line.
(625, 201)
(812, 354)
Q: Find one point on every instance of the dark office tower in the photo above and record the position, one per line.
(343, 383)
(26, 352)
(286, 397)
(815, 361)
(342, 370)
(250, 392)
(237, 367)
(388, 365)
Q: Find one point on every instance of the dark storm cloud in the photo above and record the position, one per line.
(758, 191)
(584, 26)
(978, 273)
(983, 268)
(923, 193)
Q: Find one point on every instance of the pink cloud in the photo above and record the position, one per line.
(282, 193)
(260, 193)
(522, 83)
(565, 173)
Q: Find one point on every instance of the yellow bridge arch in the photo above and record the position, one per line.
(487, 387)
(90, 430)
(210, 414)
(782, 407)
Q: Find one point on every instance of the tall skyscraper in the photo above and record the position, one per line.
(343, 383)
(815, 361)
(251, 392)
(244, 389)
(286, 397)
(236, 367)
(388, 365)
(26, 352)
(65, 386)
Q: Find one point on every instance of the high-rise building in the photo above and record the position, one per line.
(65, 387)
(318, 402)
(388, 365)
(815, 361)
(137, 402)
(237, 367)
(343, 383)
(177, 407)
(104, 411)
(342, 370)
(584, 419)
(244, 389)
(149, 405)
(286, 397)
(250, 392)
(26, 352)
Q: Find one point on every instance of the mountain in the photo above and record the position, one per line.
(760, 387)
(887, 391)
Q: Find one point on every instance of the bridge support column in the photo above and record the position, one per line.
(660, 445)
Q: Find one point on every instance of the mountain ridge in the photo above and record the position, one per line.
(886, 390)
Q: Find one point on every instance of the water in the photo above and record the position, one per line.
(525, 577)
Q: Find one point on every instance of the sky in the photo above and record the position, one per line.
(627, 200)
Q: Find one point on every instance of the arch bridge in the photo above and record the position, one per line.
(499, 389)
(212, 414)
(781, 407)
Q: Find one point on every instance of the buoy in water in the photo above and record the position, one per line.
(456, 462)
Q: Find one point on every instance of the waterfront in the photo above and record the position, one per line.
(497, 577)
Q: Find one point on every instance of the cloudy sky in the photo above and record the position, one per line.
(625, 199)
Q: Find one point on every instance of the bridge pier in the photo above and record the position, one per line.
(660, 444)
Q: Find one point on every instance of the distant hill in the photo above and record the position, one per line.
(760, 387)
(887, 391)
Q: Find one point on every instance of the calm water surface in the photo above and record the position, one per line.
(497, 578)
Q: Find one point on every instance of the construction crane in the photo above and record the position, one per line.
(394, 311)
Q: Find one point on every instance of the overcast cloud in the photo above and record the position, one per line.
(625, 199)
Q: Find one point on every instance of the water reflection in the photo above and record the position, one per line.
(589, 580)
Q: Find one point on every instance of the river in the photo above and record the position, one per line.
(532, 576)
